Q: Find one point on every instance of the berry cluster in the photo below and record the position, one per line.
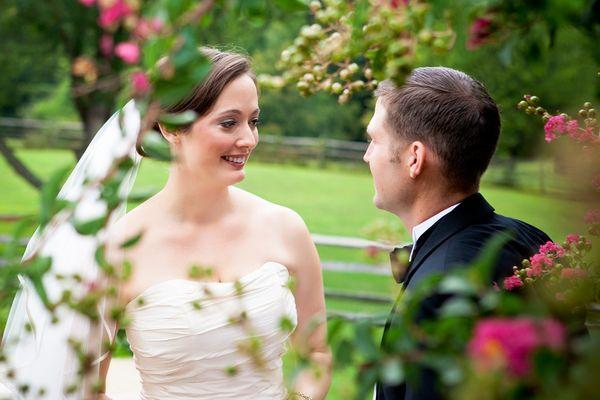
(351, 46)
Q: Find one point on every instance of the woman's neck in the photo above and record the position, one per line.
(189, 200)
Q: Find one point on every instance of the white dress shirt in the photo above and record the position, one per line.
(417, 231)
(420, 229)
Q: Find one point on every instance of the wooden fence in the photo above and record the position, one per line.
(538, 176)
(327, 240)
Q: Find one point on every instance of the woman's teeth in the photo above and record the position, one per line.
(237, 160)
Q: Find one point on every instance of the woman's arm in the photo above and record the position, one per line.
(103, 372)
(310, 336)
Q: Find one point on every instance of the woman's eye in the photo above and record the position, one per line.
(227, 124)
(255, 122)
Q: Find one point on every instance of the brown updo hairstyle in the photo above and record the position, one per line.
(226, 67)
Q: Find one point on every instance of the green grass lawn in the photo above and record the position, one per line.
(332, 201)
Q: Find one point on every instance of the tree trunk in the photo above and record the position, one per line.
(93, 113)
(17, 166)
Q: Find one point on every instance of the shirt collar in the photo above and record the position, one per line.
(421, 228)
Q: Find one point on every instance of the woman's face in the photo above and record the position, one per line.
(217, 146)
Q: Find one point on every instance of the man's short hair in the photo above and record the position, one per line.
(451, 113)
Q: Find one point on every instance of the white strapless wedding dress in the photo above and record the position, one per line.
(190, 340)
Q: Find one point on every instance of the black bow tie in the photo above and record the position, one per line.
(399, 261)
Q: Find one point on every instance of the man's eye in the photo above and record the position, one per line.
(227, 124)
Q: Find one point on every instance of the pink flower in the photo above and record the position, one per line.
(128, 52)
(552, 249)
(555, 125)
(372, 251)
(481, 29)
(596, 182)
(512, 282)
(140, 82)
(87, 3)
(509, 343)
(591, 217)
(573, 273)
(572, 129)
(147, 27)
(111, 15)
(550, 136)
(106, 45)
(539, 263)
(573, 238)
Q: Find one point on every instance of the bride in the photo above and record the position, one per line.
(210, 300)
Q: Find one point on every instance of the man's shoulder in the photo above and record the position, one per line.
(523, 240)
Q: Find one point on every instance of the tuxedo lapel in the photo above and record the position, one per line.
(471, 210)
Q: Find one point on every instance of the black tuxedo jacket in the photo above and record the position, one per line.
(455, 240)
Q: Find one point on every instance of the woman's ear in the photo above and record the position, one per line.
(170, 136)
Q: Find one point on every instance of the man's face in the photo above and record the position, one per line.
(384, 156)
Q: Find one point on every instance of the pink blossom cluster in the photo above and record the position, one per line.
(551, 259)
(479, 32)
(140, 83)
(560, 125)
(113, 13)
(510, 343)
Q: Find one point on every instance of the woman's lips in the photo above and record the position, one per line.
(236, 161)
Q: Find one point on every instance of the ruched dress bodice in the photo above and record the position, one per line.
(212, 340)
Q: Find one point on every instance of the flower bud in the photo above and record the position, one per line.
(315, 6)
(358, 84)
(583, 113)
(522, 104)
(530, 110)
(336, 88)
(587, 104)
(344, 73)
(540, 110)
(534, 100)
(591, 113)
(368, 73)
(302, 85)
(308, 77)
(353, 68)
(343, 99)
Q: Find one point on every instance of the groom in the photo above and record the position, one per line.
(431, 141)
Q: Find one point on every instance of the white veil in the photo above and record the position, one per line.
(40, 364)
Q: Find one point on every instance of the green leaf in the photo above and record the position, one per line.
(171, 91)
(392, 372)
(364, 341)
(481, 268)
(49, 203)
(456, 284)
(154, 49)
(458, 307)
(175, 121)
(344, 353)
(291, 5)
(132, 241)
(89, 227)
(155, 146)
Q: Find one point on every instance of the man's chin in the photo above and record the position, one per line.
(377, 202)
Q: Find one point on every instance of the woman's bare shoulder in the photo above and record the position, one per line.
(130, 225)
(284, 222)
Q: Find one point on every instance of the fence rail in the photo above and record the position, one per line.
(321, 240)
(537, 176)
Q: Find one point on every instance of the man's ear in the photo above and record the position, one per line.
(417, 156)
(170, 136)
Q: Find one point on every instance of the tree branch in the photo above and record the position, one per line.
(17, 166)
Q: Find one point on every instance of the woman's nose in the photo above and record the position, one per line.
(248, 138)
